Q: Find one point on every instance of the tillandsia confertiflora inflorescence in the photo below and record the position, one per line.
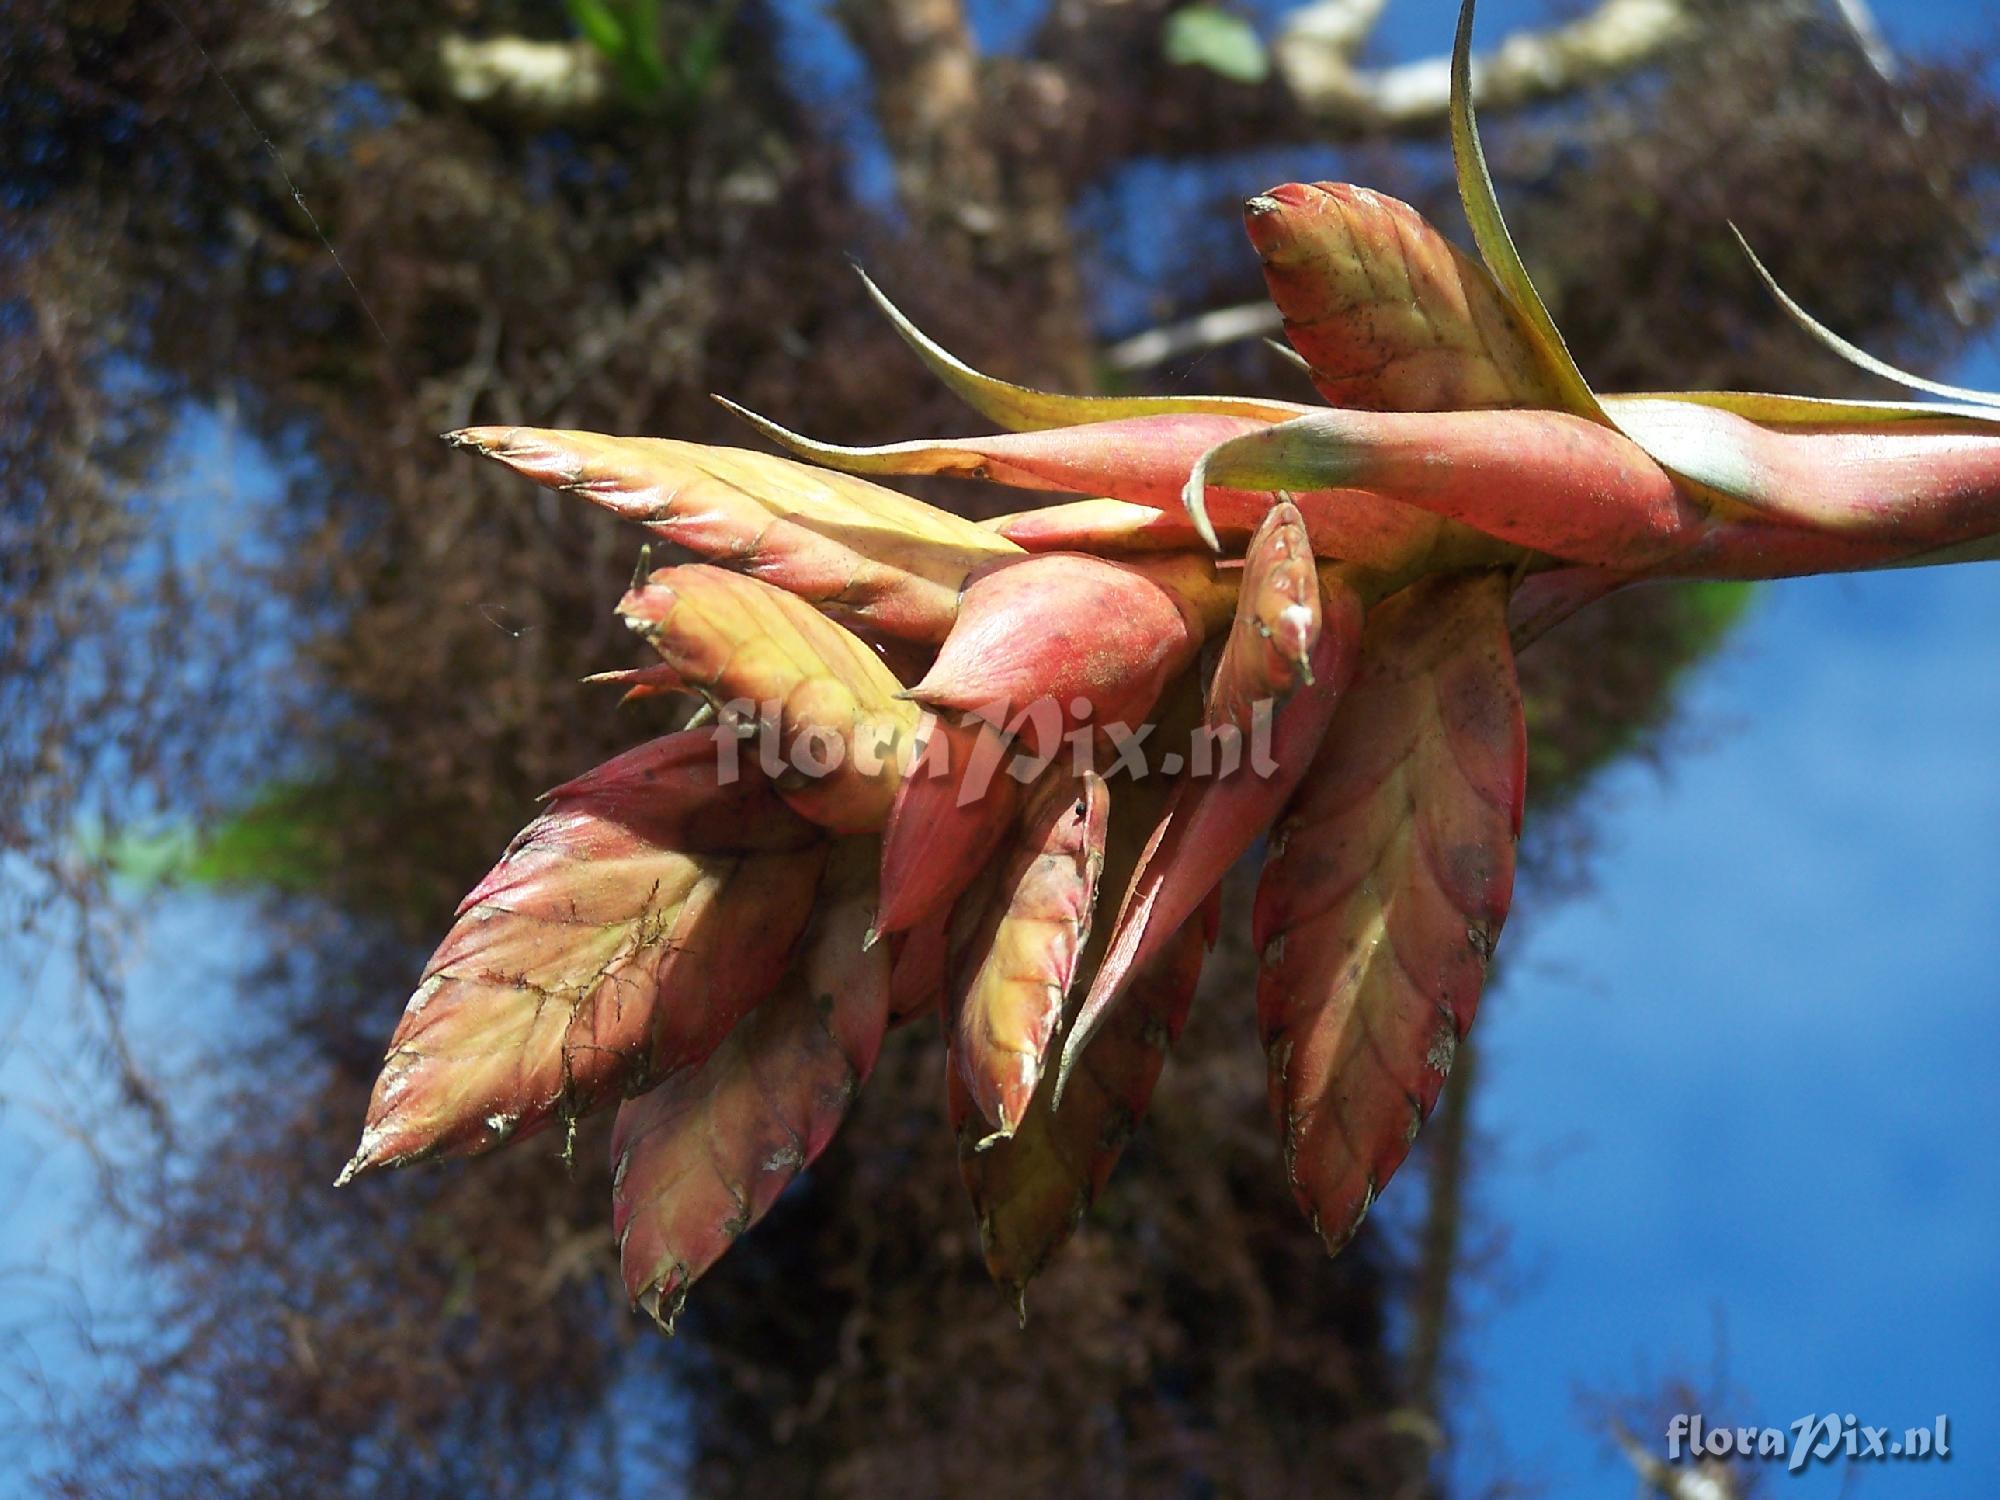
(995, 772)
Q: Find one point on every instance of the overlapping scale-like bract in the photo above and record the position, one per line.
(703, 1157)
(1388, 882)
(841, 722)
(1277, 622)
(1016, 939)
(719, 930)
(1030, 1189)
(867, 555)
(950, 815)
(621, 935)
(1061, 640)
(1386, 313)
(1259, 749)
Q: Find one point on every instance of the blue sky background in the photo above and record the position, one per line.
(1738, 1122)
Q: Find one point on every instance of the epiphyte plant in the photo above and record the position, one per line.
(720, 955)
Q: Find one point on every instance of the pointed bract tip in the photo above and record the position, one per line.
(1297, 633)
(1004, 1133)
(663, 1307)
(939, 360)
(776, 432)
(644, 607)
(648, 1302)
(872, 936)
(1194, 497)
(881, 299)
(1853, 353)
(1063, 1064)
(488, 440)
(1290, 355)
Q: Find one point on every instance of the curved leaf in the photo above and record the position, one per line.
(1542, 480)
(1136, 459)
(1914, 485)
(1019, 409)
(1496, 245)
(1772, 410)
(1142, 461)
(1386, 889)
(1853, 353)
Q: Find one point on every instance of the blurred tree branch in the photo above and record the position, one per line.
(1318, 46)
(524, 77)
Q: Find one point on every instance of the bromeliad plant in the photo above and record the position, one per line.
(715, 940)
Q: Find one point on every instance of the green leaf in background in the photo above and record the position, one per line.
(600, 26)
(666, 75)
(1716, 607)
(1208, 36)
(627, 32)
(287, 838)
(1692, 621)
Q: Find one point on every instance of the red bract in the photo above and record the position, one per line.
(933, 758)
(1048, 644)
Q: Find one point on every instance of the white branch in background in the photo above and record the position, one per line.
(540, 80)
(1209, 330)
(1868, 37)
(1315, 54)
(1705, 1481)
(1341, 26)
(1316, 51)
